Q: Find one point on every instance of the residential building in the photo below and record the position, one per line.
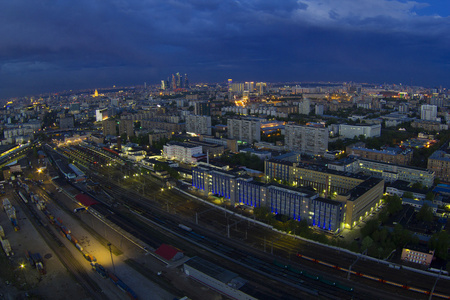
(126, 127)
(245, 130)
(311, 139)
(198, 124)
(156, 135)
(428, 112)
(304, 107)
(429, 125)
(388, 155)
(66, 122)
(368, 131)
(439, 162)
(109, 127)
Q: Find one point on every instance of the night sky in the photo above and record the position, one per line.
(50, 46)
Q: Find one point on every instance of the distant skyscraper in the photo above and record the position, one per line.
(249, 86)
(179, 79)
(230, 90)
(261, 88)
(186, 81)
(174, 82)
(428, 112)
(163, 84)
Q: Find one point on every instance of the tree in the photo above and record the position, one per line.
(425, 213)
(440, 242)
(417, 185)
(429, 196)
(369, 228)
(408, 195)
(366, 243)
(394, 204)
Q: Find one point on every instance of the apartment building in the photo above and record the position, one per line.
(309, 139)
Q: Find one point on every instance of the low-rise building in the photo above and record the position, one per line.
(388, 155)
(181, 151)
(439, 162)
(418, 255)
(368, 131)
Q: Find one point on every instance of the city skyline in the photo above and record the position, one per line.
(87, 44)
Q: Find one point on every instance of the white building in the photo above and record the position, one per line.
(350, 131)
(101, 114)
(304, 107)
(310, 139)
(198, 124)
(181, 152)
(246, 130)
(428, 112)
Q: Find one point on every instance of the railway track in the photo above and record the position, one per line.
(64, 255)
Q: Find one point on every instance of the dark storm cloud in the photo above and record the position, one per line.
(49, 45)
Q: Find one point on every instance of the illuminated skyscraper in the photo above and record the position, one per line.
(186, 81)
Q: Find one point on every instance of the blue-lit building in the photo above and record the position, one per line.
(289, 201)
(327, 214)
(278, 169)
(222, 184)
(250, 192)
(200, 178)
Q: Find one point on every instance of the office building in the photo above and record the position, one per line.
(361, 200)
(392, 172)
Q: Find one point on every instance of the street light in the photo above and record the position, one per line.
(22, 267)
(112, 261)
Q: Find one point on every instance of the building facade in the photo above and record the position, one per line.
(390, 155)
(198, 124)
(109, 127)
(428, 112)
(393, 172)
(439, 162)
(246, 130)
(309, 139)
(181, 152)
(368, 131)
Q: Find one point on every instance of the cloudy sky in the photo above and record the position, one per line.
(55, 45)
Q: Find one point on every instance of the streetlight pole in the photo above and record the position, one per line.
(112, 261)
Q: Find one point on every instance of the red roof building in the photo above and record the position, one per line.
(85, 200)
(169, 252)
